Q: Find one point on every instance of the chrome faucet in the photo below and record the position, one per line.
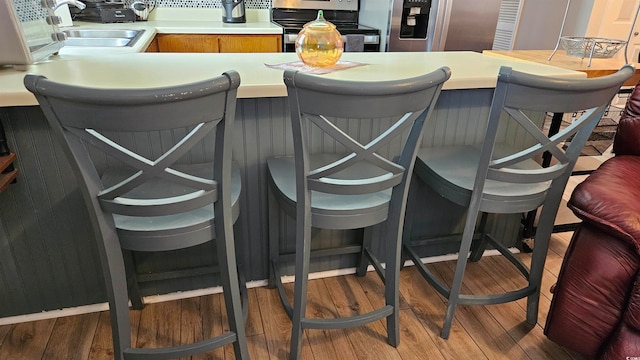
(77, 3)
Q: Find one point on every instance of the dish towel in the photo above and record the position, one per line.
(354, 43)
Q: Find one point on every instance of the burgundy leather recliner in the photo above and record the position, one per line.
(596, 302)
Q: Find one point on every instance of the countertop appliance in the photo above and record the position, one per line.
(30, 35)
(233, 11)
(293, 14)
(104, 11)
(433, 25)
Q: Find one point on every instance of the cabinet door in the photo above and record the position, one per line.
(153, 46)
(249, 43)
(194, 43)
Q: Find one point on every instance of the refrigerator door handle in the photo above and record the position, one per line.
(443, 15)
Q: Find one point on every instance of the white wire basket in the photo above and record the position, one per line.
(591, 47)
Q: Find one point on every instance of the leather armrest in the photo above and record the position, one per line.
(627, 140)
(610, 199)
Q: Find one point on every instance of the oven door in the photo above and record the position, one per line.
(371, 42)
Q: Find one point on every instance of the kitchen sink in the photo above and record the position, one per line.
(101, 37)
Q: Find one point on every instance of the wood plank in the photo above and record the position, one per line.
(277, 326)
(254, 319)
(368, 341)
(159, 326)
(27, 341)
(71, 337)
(498, 264)
(4, 330)
(429, 308)
(6, 160)
(253, 327)
(374, 288)
(198, 318)
(7, 178)
(326, 344)
(416, 342)
(560, 242)
(512, 316)
(258, 348)
(102, 345)
(487, 332)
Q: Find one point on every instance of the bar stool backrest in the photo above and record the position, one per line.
(517, 94)
(80, 116)
(320, 101)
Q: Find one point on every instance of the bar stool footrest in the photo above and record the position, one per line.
(180, 351)
(347, 322)
(467, 299)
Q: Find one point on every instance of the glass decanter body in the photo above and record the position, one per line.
(319, 44)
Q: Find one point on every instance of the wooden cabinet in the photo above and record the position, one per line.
(153, 46)
(197, 43)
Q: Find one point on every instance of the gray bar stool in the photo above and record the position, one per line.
(153, 200)
(500, 178)
(352, 187)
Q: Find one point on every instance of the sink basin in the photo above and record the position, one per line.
(109, 42)
(101, 37)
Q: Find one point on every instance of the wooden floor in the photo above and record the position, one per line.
(479, 332)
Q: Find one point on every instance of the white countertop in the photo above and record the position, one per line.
(469, 70)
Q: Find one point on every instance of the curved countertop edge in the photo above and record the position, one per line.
(469, 70)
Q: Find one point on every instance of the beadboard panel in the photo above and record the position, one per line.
(48, 258)
(46, 229)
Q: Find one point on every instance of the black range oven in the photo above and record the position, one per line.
(293, 14)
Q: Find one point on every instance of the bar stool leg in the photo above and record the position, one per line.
(231, 292)
(132, 280)
(303, 258)
(363, 262)
(391, 284)
(274, 237)
(456, 285)
(480, 245)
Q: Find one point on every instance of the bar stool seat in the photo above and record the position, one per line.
(155, 188)
(331, 211)
(434, 167)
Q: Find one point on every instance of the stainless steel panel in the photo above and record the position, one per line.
(472, 25)
(317, 4)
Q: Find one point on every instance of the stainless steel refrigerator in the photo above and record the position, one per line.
(433, 25)
(448, 25)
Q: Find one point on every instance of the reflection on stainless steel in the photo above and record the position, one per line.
(102, 33)
(102, 37)
(104, 42)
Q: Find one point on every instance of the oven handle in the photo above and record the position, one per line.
(368, 39)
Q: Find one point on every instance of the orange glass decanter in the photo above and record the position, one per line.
(319, 44)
